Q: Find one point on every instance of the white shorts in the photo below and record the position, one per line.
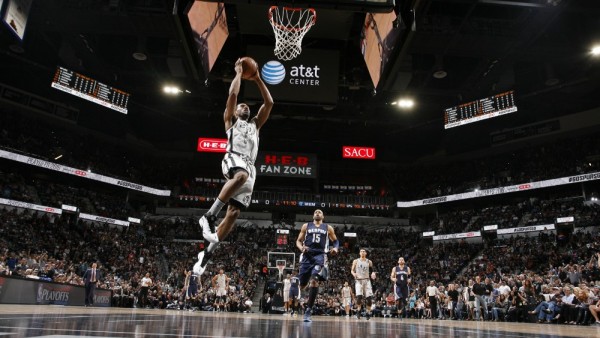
(347, 301)
(286, 295)
(244, 193)
(221, 292)
(363, 288)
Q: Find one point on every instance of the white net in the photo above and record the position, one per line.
(290, 25)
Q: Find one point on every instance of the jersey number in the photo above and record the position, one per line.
(316, 238)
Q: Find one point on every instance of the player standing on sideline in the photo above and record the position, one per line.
(237, 166)
(401, 277)
(190, 287)
(221, 284)
(347, 298)
(313, 241)
(294, 294)
(361, 270)
(286, 294)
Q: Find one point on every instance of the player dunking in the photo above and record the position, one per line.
(361, 270)
(313, 241)
(238, 164)
(401, 277)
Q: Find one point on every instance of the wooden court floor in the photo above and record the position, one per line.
(61, 321)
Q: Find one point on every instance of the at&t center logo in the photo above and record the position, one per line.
(273, 73)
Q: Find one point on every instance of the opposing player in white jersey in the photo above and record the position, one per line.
(362, 272)
(237, 166)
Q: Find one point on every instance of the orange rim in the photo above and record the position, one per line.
(292, 29)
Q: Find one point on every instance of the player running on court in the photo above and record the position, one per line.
(314, 242)
(401, 277)
(362, 271)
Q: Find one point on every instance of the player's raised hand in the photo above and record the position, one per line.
(238, 66)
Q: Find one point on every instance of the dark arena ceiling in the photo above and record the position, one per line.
(538, 48)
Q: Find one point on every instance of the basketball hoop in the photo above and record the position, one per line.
(290, 25)
(280, 264)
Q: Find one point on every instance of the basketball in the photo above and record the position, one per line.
(249, 67)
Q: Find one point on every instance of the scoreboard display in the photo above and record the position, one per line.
(89, 89)
(493, 106)
(282, 237)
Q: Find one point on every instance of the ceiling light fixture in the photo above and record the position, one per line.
(405, 103)
(440, 74)
(596, 50)
(172, 90)
(140, 56)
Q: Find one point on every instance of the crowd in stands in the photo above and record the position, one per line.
(53, 248)
(497, 168)
(526, 212)
(547, 278)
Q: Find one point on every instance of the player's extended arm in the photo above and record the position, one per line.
(265, 109)
(353, 269)
(334, 240)
(234, 91)
(301, 237)
(393, 275)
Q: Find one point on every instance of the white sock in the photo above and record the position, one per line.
(216, 207)
(212, 247)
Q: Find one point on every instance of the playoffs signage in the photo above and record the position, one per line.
(286, 164)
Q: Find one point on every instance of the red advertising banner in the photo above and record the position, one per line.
(364, 153)
(212, 145)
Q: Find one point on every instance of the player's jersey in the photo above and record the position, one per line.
(221, 281)
(346, 292)
(362, 269)
(401, 275)
(294, 283)
(317, 238)
(242, 139)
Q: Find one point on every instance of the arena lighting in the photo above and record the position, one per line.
(404, 103)
(58, 157)
(596, 50)
(172, 90)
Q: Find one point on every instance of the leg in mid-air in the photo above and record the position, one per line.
(208, 222)
(224, 229)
